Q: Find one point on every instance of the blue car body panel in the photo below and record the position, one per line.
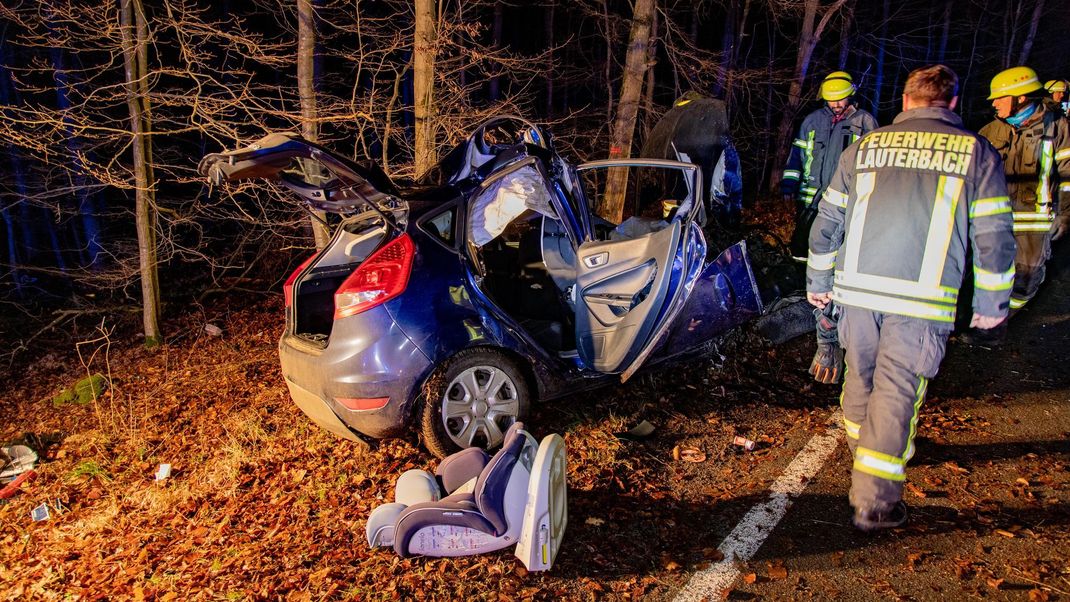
(391, 350)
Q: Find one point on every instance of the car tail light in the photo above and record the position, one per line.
(288, 286)
(372, 403)
(383, 276)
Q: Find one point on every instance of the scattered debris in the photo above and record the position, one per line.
(689, 454)
(40, 513)
(10, 489)
(213, 330)
(163, 472)
(15, 460)
(639, 432)
(595, 522)
(747, 444)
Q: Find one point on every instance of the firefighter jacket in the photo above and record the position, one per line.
(894, 225)
(1036, 157)
(817, 149)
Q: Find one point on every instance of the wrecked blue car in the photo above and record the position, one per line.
(450, 306)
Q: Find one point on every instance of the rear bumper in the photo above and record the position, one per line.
(368, 357)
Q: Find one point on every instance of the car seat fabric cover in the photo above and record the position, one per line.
(483, 511)
(490, 488)
(458, 510)
(461, 467)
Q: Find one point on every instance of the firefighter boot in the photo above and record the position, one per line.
(827, 366)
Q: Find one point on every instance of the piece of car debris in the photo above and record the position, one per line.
(639, 432)
(12, 487)
(747, 444)
(213, 330)
(15, 460)
(163, 472)
(40, 513)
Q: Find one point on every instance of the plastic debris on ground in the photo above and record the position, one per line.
(11, 488)
(213, 330)
(639, 432)
(163, 472)
(747, 444)
(15, 460)
(40, 513)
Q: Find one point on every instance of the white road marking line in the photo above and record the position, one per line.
(743, 542)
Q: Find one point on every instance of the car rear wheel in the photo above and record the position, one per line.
(477, 396)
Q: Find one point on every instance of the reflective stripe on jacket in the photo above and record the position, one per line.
(1036, 158)
(817, 149)
(892, 229)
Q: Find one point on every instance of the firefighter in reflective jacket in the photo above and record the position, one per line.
(822, 137)
(889, 246)
(1057, 92)
(1034, 142)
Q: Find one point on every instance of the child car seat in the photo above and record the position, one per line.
(475, 504)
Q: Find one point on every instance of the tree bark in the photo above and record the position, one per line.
(134, 31)
(635, 65)
(808, 39)
(1034, 23)
(306, 91)
(728, 40)
(496, 43)
(423, 64)
(882, 43)
(945, 31)
(845, 34)
(548, 39)
(648, 89)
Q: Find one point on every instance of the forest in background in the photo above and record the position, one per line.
(106, 108)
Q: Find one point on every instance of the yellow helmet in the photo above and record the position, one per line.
(1016, 81)
(837, 86)
(1055, 85)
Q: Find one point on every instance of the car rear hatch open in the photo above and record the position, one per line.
(371, 215)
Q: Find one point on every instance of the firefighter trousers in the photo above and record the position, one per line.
(890, 359)
(1034, 250)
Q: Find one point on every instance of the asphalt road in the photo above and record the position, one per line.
(989, 487)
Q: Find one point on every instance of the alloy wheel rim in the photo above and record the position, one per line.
(479, 405)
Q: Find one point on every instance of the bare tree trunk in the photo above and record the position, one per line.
(608, 25)
(548, 39)
(635, 66)
(12, 251)
(728, 40)
(134, 30)
(306, 91)
(1014, 11)
(846, 34)
(808, 39)
(648, 89)
(945, 31)
(496, 42)
(737, 47)
(423, 65)
(882, 43)
(1034, 23)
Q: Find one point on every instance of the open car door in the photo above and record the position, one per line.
(633, 277)
(323, 180)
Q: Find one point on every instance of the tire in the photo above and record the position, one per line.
(472, 401)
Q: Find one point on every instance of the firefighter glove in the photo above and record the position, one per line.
(1059, 229)
(827, 367)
